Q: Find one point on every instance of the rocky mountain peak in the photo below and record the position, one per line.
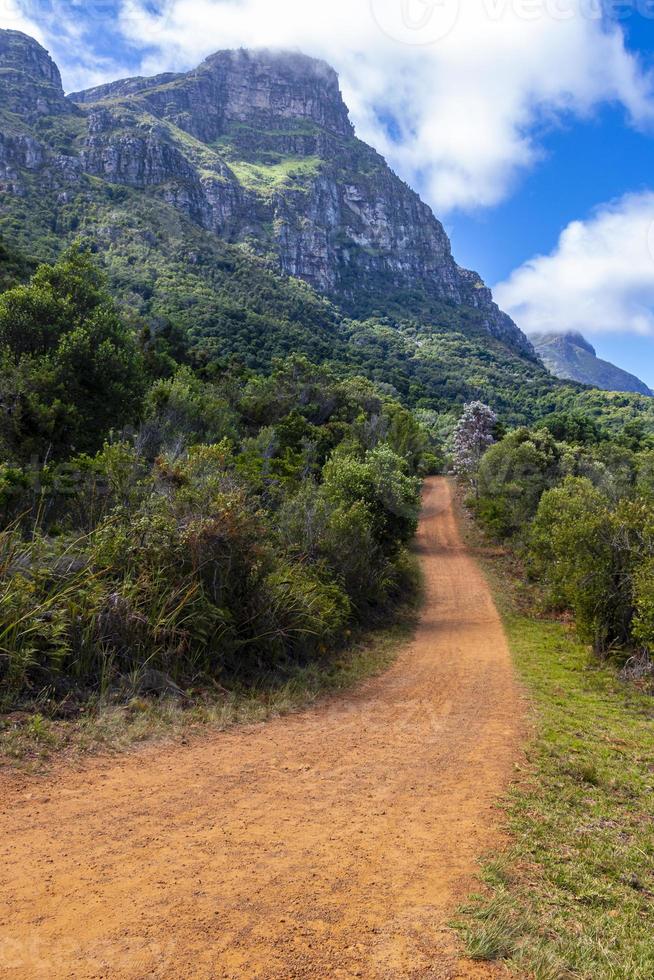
(570, 356)
(30, 79)
(281, 85)
(24, 54)
(256, 148)
(262, 88)
(566, 338)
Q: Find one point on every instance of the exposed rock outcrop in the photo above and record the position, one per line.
(31, 83)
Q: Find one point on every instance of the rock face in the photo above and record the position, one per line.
(570, 356)
(260, 89)
(256, 148)
(31, 83)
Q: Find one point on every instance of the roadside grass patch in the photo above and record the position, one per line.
(31, 740)
(573, 894)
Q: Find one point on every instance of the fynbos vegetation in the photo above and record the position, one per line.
(577, 504)
(169, 525)
(573, 508)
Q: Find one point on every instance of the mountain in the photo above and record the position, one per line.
(234, 203)
(255, 147)
(570, 356)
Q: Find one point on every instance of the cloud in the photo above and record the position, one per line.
(13, 17)
(468, 84)
(70, 30)
(453, 92)
(599, 278)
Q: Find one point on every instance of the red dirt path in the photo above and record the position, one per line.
(333, 843)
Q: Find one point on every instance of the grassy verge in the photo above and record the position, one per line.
(573, 896)
(31, 740)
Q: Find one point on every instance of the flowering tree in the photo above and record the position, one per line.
(472, 437)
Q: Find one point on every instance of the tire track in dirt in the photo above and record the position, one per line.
(333, 843)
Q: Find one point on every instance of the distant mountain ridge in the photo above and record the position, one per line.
(572, 357)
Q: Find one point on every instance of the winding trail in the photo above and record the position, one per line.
(333, 843)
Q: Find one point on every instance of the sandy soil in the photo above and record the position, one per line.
(333, 843)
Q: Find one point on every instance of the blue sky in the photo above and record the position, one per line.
(585, 163)
(527, 124)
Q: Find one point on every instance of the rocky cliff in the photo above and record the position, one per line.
(31, 83)
(253, 147)
(570, 356)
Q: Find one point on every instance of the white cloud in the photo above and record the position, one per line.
(13, 17)
(599, 278)
(67, 34)
(467, 83)
(466, 105)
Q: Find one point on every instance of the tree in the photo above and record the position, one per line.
(71, 368)
(595, 559)
(573, 427)
(570, 551)
(472, 437)
(512, 476)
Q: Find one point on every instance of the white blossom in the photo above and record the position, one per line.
(472, 437)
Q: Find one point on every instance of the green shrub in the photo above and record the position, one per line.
(594, 558)
(379, 481)
(70, 365)
(513, 474)
(305, 612)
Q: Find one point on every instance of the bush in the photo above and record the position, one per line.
(594, 559)
(513, 474)
(379, 482)
(304, 612)
(70, 365)
(181, 411)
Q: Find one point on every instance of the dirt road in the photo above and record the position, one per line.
(334, 843)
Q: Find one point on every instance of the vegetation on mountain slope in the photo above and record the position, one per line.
(217, 304)
(15, 267)
(226, 302)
